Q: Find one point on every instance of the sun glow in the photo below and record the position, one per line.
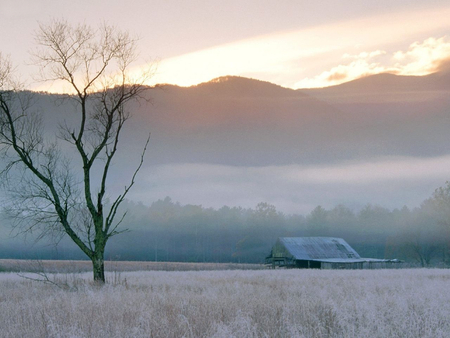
(299, 58)
(410, 43)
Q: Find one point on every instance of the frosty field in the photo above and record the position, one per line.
(233, 303)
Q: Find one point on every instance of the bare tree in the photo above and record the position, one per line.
(46, 190)
(422, 247)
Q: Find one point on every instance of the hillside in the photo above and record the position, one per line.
(244, 122)
(238, 121)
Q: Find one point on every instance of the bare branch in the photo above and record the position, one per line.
(53, 196)
(113, 211)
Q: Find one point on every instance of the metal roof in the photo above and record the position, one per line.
(356, 260)
(316, 248)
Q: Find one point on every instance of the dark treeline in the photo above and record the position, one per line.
(168, 231)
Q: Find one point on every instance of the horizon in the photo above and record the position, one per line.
(228, 77)
(294, 44)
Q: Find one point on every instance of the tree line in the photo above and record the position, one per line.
(172, 232)
(169, 231)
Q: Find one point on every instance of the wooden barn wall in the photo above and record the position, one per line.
(361, 265)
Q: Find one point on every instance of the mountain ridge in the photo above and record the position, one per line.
(245, 122)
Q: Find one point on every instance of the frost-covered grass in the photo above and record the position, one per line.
(22, 265)
(264, 303)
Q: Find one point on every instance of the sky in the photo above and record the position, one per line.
(292, 43)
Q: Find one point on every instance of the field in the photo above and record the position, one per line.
(18, 265)
(228, 303)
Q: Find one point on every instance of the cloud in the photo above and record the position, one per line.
(285, 57)
(390, 182)
(362, 65)
(364, 55)
(421, 58)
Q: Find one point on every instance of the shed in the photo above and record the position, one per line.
(321, 253)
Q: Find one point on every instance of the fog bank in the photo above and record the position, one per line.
(390, 182)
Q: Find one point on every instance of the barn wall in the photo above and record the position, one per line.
(362, 265)
(304, 264)
(280, 251)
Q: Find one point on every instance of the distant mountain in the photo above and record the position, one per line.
(387, 88)
(245, 122)
(240, 121)
(394, 115)
(229, 121)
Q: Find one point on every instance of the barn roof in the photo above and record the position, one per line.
(356, 260)
(318, 248)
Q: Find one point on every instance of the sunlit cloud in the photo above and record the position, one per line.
(364, 55)
(292, 59)
(320, 56)
(363, 64)
(421, 58)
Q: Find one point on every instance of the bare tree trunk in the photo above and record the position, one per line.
(98, 254)
(422, 262)
(98, 266)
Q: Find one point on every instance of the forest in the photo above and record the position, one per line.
(169, 231)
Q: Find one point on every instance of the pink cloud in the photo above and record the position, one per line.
(421, 58)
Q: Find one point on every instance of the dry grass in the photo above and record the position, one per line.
(61, 266)
(269, 303)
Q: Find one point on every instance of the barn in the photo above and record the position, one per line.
(321, 253)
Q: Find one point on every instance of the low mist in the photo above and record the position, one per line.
(295, 189)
